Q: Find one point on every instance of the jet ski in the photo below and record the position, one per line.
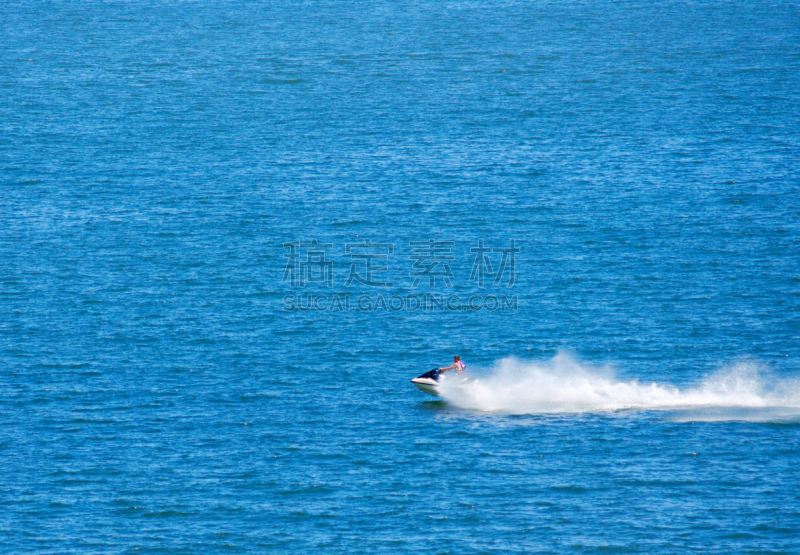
(429, 381)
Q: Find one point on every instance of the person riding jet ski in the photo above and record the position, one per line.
(429, 381)
(457, 365)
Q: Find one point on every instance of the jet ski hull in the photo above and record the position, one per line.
(429, 381)
(427, 385)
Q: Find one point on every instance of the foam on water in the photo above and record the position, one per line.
(565, 385)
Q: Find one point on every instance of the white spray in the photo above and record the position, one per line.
(564, 385)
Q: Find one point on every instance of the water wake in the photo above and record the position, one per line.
(565, 385)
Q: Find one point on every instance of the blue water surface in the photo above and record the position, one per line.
(166, 387)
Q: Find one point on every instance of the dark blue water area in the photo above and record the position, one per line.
(172, 380)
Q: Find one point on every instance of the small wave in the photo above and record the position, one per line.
(565, 385)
